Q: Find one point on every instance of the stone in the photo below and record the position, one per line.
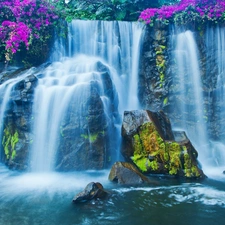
(92, 191)
(88, 138)
(126, 173)
(149, 142)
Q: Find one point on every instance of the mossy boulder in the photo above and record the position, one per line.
(154, 148)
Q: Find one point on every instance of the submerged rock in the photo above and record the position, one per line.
(150, 143)
(92, 191)
(126, 173)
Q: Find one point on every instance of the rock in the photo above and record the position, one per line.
(126, 173)
(224, 172)
(149, 142)
(88, 135)
(132, 122)
(92, 191)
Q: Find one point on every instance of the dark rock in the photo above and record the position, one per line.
(224, 172)
(126, 173)
(92, 191)
(88, 135)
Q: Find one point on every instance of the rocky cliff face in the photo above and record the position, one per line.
(17, 121)
(159, 85)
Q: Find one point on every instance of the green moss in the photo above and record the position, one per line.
(14, 140)
(137, 145)
(159, 52)
(174, 152)
(162, 64)
(141, 162)
(148, 144)
(91, 137)
(165, 101)
(153, 165)
(190, 170)
(9, 142)
(162, 47)
(13, 154)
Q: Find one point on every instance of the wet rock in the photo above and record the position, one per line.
(132, 122)
(126, 173)
(92, 191)
(88, 133)
(150, 143)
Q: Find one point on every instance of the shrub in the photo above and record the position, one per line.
(23, 21)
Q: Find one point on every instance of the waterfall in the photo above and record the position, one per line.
(190, 98)
(215, 68)
(118, 44)
(98, 52)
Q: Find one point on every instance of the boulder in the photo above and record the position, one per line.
(92, 191)
(126, 173)
(149, 142)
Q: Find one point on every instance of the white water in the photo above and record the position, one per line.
(189, 80)
(215, 48)
(116, 45)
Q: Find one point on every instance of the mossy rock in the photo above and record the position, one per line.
(151, 152)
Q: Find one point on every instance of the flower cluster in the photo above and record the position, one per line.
(212, 10)
(23, 20)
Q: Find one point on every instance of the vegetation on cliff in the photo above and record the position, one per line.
(26, 25)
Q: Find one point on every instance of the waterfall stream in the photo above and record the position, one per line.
(114, 46)
(215, 49)
(198, 113)
(191, 96)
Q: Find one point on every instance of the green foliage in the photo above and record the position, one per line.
(127, 10)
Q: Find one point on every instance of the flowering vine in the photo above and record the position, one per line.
(185, 11)
(21, 21)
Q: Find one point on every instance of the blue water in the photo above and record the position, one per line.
(30, 199)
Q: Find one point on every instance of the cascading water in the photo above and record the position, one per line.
(118, 44)
(188, 80)
(215, 55)
(93, 45)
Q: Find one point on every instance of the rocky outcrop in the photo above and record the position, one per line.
(88, 139)
(159, 83)
(16, 131)
(154, 74)
(126, 173)
(155, 148)
(92, 191)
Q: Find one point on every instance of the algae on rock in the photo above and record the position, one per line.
(154, 151)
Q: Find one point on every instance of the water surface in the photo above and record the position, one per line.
(30, 198)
